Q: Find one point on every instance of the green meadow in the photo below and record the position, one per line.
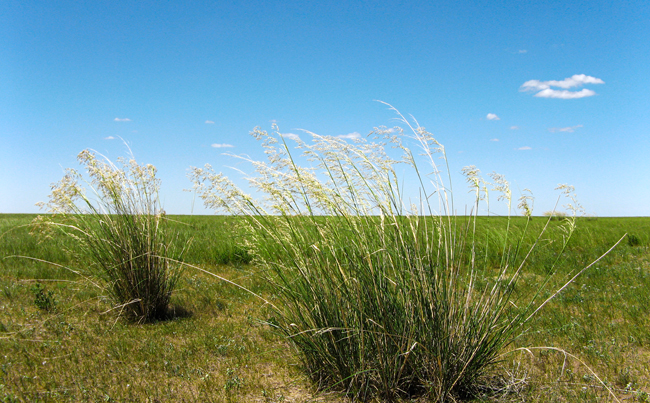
(63, 339)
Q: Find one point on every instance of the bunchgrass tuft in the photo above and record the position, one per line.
(383, 295)
(113, 213)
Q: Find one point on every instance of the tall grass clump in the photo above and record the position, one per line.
(114, 215)
(384, 294)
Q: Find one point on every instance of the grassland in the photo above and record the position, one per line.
(62, 340)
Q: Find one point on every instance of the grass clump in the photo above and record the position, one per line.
(555, 215)
(383, 296)
(114, 215)
(633, 240)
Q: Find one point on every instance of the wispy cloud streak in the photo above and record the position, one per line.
(569, 129)
(291, 136)
(350, 136)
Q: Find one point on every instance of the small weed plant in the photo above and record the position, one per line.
(383, 296)
(43, 298)
(114, 214)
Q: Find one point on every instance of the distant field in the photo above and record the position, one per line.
(63, 341)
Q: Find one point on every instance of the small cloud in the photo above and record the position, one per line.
(564, 94)
(524, 148)
(569, 129)
(521, 51)
(291, 136)
(222, 145)
(350, 136)
(121, 120)
(109, 138)
(209, 122)
(577, 80)
(515, 127)
(494, 140)
(492, 116)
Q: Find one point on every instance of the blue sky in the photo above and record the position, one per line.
(562, 85)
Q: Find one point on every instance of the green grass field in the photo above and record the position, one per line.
(62, 340)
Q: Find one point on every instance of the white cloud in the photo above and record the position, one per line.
(494, 140)
(515, 127)
(209, 122)
(564, 94)
(291, 136)
(122, 120)
(222, 145)
(109, 138)
(569, 129)
(524, 148)
(577, 80)
(492, 116)
(523, 51)
(350, 136)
